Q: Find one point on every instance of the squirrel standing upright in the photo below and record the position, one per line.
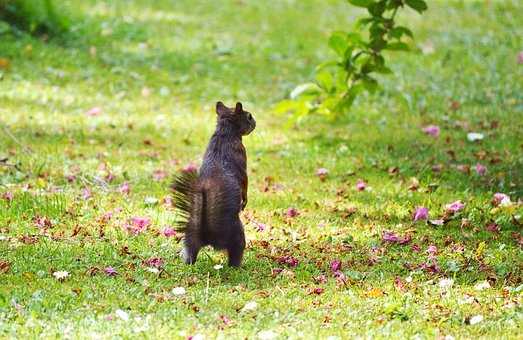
(210, 202)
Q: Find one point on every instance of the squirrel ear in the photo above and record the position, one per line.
(239, 108)
(221, 109)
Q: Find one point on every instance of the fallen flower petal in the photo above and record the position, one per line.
(336, 265)
(178, 291)
(122, 315)
(225, 320)
(155, 262)
(125, 188)
(432, 250)
(438, 222)
(159, 175)
(501, 200)
(61, 275)
(317, 291)
(138, 225)
(475, 136)
(454, 206)
(322, 173)
(249, 306)
(288, 260)
(95, 111)
(292, 212)
(445, 283)
(482, 285)
(481, 170)
(260, 226)
(86, 194)
(110, 271)
(361, 185)
(389, 236)
(8, 196)
(190, 167)
(421, 213)
(476, 319)
(168, 232)
(432, 130)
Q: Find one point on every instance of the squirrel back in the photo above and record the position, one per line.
(209, 202)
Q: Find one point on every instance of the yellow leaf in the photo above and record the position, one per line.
(4, 63)
(375, 293)
(480, 250)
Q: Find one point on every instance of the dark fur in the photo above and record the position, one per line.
(210, 202)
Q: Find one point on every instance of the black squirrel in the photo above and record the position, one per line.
(210, 202)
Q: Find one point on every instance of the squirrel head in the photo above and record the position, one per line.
(240, 120)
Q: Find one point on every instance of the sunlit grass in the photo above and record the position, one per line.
(155, 70)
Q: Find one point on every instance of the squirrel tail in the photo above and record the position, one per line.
(188, 198)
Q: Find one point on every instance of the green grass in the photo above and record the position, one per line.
(156, 69)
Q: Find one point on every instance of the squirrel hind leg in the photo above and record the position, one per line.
(190, 250)
(236, 247)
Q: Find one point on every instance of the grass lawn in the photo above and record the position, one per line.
(94, 125)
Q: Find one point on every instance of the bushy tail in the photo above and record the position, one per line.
(188, 200)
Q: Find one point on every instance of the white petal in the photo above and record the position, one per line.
(178, 291)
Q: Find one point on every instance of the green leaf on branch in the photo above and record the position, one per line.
(397, 46)
(338, 43)
(361, 3)
(325, 81)
(307, 88)
(418, 5)
(376, 9)
(399, 31)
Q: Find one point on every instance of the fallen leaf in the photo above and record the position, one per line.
(375, 293)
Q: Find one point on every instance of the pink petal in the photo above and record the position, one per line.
(260, 226)
(520, 57)
(168, 232)
(389, 236)
(225, 320)
(110, 271)
(288, 260)
(432, 130)
(320, 279)
(361, 185)
(317, 290)
(454, 206)
(109, 177)
(421, 213)
(159, 175)
(86, 193)
(322, 173)
(190, 167)
(137, 225)
(8, 196)
(500, 199)
(292, 212)
(95, 111)
(125, 188)
(336, 265)
(492, 227)
(432, 250)
(155, 262)
(480, 169)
